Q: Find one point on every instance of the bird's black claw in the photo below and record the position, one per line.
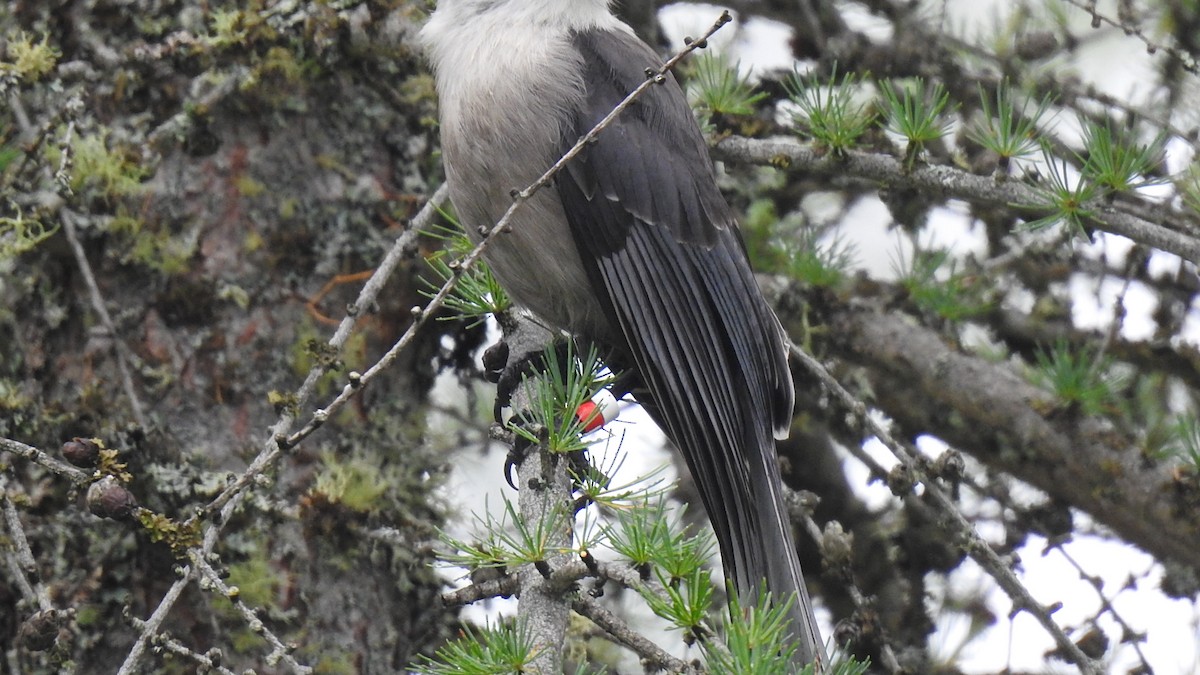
(495, 358)
(510, 463)
(516, 454)
(509, 378)
(509, 371)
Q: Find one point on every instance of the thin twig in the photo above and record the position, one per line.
(400, 250)
(653, 657)
(279, 650)
(28, 452)
(973, 544)
(150, 627)
(1130, 635)
(504, 587)
(206, 661)
(1186, 60)
(21, 563)
(123, 354)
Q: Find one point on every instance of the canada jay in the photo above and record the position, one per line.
(633, 248)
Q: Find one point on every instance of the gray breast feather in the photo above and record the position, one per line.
(500, 132)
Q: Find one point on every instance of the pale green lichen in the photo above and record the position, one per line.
(355, 483)
(99, 167)
(19, 235)
(28, 59)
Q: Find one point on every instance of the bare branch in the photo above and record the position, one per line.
(151, 626)
(21, 564)
(653, 657)
(32, 454)
(279, 651)
(959, 526)
(944, 181)
(123, 354)
(1006, 423)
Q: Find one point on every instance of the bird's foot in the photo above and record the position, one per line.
(507, 372)
(578, 466)
(517, 453)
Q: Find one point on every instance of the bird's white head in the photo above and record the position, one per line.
(570, 14)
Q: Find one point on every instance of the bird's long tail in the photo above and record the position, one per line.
(780, 565)
(750, 519)
(710, 355)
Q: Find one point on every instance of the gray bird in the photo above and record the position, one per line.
(632, 248)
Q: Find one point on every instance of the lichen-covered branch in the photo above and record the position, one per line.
(944, 182)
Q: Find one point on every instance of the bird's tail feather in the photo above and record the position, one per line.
(709, 352)
(777, 562)
(756, 543)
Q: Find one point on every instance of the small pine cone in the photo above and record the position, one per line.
(82, 452)
(107, 498)
(39, 631)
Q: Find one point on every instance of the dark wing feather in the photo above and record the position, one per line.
(645, 142)
(664, 255)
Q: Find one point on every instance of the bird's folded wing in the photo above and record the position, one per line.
(662, 251)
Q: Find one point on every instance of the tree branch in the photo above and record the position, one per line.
(945, 181)
(653, 657)
(986, 409)
(955, 522)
